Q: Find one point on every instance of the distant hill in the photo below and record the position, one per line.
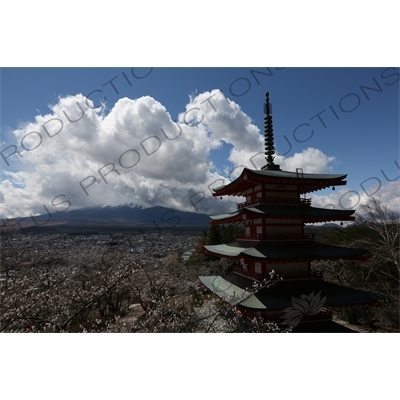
(328, 225)
(117, 218)
(324, 230)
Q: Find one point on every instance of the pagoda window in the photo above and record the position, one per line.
(257, 268)
(259, 230)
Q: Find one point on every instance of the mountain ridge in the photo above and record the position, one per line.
(122, 215)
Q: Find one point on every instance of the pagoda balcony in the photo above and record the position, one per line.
(274, 200)
(278, 236)
(238, 269)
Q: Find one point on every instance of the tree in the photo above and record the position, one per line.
(385, 223)
(95, 289)
(231, 232)
(384, 263)
(198, 255)
(214, 236)
(376, 230)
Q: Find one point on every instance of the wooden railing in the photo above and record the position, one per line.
(274, 200)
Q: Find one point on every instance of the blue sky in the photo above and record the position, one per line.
(349, 115)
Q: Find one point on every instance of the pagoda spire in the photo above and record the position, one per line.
(269, 136)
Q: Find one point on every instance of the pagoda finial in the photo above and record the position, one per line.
(269, 136)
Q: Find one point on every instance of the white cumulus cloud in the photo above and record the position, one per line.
(77, 156)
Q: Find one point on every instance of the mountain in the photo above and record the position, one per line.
(125, 218)
(116, 218)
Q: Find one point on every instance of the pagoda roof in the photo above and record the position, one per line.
(306, 213)
(285, 250)
(236, 289)
(295, 175)
(306, 182)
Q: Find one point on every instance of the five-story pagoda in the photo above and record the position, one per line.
(275, 243)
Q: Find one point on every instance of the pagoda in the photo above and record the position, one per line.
(275, 246)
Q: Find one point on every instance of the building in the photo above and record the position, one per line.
(276, 247)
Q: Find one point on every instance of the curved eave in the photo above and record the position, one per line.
(227, 218)
(279, 296)
(224, 250)
(230, 292)
(307, 182)
(277, 251)
(233, 288)
(305, 213)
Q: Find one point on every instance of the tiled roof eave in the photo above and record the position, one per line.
(307, 182)
(306, 214)
(286, 250)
